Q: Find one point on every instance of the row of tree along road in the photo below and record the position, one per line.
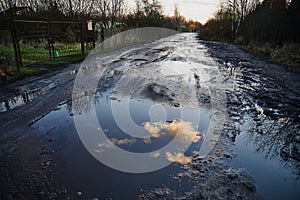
(269, 28)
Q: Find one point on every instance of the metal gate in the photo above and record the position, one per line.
(36, 41)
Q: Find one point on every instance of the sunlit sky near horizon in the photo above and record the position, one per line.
(200, 10)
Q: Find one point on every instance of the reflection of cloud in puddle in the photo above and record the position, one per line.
(147, 140)
(155, 154)
(125, 141)
(185, 131)
(178, 158)
(153, 129)
(104, 145)
(110, 145)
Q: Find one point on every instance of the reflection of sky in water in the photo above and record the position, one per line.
(271, 177)
(274, 178)
(160, 133)
(92, 177)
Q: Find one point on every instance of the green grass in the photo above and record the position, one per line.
(31, 71)
(11, 74)
(7, 49)
(287, 54)
(75, 58)
(33, 54)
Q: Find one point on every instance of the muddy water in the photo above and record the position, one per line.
(78, 171)
(274, 179)
(27, 94)
(260, 136)
(263, 107)
(19, 100)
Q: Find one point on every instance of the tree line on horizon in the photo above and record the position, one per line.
(255, 21)
(109, 13)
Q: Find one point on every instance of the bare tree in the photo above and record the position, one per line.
(115, 12)
(239, 9)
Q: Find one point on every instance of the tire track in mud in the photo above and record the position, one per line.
(212, 176)
(263, 107)
(260, 90)
(256, 91)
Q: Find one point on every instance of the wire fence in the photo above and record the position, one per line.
(35, 41)
(6, 47)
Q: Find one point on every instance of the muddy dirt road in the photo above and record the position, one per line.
(211, 93)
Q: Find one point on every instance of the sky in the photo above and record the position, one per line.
(200, 10)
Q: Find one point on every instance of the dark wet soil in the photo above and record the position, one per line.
(262, 109)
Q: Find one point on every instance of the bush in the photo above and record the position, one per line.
(3, 74)
(241, 41)
(288, 53)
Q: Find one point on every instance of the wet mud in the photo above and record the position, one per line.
(261, 101)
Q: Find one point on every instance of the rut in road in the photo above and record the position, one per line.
(177, 72)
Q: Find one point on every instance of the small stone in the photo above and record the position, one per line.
(202, 174)
(231, 175)
(176, 105)
(48, 162)
(159, 193)
(227, 155)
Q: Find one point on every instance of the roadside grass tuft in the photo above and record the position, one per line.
(288, 53)
(9, 74)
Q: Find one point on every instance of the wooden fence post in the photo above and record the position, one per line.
(16, 45)
(50, 40)
(82, 37)
(94, 35)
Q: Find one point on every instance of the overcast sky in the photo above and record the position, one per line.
(200, 10)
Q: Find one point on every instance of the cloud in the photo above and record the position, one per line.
(184, 130)
(178, 158)
(147, 140)
(153, 129)
(103, 146)
(125, 141)
(155, 155)
(111, 144)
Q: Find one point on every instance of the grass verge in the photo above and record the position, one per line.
(287, 54)
(9, 74)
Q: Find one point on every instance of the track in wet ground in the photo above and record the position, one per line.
(262, 104)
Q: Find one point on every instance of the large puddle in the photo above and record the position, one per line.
(82, 174)
(261, 156)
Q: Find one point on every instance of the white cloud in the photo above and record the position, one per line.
(125, 141)
(178, 158)
(184, 130)
(155, 154)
